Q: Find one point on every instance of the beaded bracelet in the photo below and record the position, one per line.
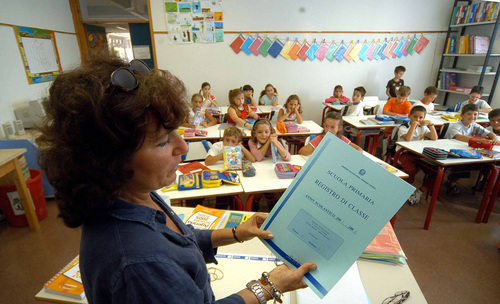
(275, 292)
(234, 235)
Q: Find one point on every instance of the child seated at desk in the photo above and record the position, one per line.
(494, 117)
(332, 124)
(467, 127)
(203, 118)
(269, 96)
(474, 98)
(232, 137)
(291, 111)
(263, 135)
(238, 110)
(208, 99)
(417, 129)
(248, 92)
(399, 106)
(355, 108)
(337, 96)
(430, 94)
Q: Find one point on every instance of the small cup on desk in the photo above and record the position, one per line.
(8, 130)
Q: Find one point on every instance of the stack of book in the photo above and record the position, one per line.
(477, 12)
(385, 248)
(67, 282)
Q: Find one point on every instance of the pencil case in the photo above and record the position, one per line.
(214, 178)
(200, 132)
(286, 170)
(189, 181)
(383, 118)
(292, 128)
(189, 132)
(480, 144)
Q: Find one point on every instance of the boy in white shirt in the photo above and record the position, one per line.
(232, 137)
(467, 127)
(475, 98)
(494, 117)
(430, 94)
(355, 107)
(417, 129)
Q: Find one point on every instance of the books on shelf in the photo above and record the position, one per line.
(385, 248)
(67, 282)
(467, 44)
(448, 80)
(477, 12)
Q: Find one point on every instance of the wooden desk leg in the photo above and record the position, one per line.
(374, 144)
(25, 197)
(239, 203)
(249, 203)
(435, 193)
(493, 198)
(357, 137)
(487, 193)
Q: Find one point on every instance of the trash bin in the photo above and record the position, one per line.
(10, 202)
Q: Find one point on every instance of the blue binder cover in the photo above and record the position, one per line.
(312, 50)
(248, 42)
(332, 210)
(362, 52)
(275, 48)
(380, 52)
(339, 54)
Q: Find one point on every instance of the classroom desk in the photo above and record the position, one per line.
(9, 163)
(380, 280)
(314, 129)
(213, 133)
(369, 131)
(266, 180)
(417, 147)
(223, 190)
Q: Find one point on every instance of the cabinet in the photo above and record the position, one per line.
(476, 19)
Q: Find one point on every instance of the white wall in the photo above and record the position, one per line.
(312, 81)
(47, 14)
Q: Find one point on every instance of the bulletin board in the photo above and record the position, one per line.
(39, 53)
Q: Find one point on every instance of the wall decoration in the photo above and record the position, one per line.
(39, 53)
(192, 21)
(389, 48)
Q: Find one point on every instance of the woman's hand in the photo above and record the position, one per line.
(251, 228)
(287, 279)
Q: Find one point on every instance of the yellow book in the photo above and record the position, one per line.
(286, 48)
(67, 282)
(205, 217)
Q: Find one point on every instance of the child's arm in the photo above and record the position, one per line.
(275, 102)
(433, 134)
(188, 125)
(387, 93)
(394, 114)
(285, 155)
(255, 150)
(409, 135)
(210, 160)
(356, 147)
(211, 119)
(462, 137)
(493, 137)
(212, 100)
(306, 150)
(282, 115)
(253, 103)
(247, 154)
(252, 114)
(240, 122)
(299, 116)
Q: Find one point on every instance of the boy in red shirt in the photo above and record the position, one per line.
(399, 106)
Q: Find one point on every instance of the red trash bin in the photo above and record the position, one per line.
(11, 204)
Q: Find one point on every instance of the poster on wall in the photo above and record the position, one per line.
(194, 21)
(39, 53)
(97, 42)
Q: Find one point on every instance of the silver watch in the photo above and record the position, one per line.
(255, 287)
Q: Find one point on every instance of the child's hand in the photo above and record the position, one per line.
(273, 138)
(414, 124)
(275, 94)
(495, 141)
(296, 109)
(203, 124)
(427, 123)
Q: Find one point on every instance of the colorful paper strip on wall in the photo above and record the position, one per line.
(389, 48)
(192, 21)
(39, 53)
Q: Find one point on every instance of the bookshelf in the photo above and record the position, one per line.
(469, 17)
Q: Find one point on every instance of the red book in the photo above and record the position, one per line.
(193, 167)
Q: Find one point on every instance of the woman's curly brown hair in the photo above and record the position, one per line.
(93, 128)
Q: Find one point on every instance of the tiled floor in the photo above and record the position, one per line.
(456, 261)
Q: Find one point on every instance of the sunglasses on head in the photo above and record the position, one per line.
(125, 78)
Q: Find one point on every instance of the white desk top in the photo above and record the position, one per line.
(380, 280)
(213, 132)
(269, 109)
(398, 172)
(265, 179)
(445, 144)
(313, 127)
(355, 121)
(224, 189)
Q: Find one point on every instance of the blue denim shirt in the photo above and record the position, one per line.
(129, 255)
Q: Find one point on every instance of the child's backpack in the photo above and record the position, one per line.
(391, 147)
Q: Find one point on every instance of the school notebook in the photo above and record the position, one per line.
(275, 48)
(237, 43)
(67, 282)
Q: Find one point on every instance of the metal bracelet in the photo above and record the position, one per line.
(257, 290)
(276, 293)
